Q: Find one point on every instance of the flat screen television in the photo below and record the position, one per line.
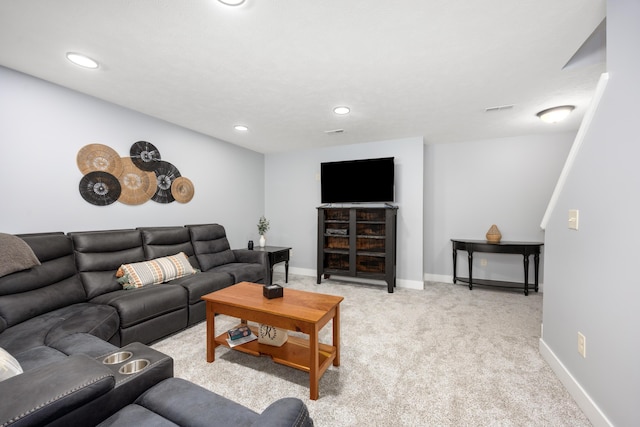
(357, 181)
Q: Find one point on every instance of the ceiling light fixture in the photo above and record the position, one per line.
(232, 2)
(555, 114)
(82, 60)
(241, 128)
(341, 110)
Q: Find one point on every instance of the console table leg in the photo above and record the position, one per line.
(336, 335)
(526, 274)
(536, 265)
(286, 272)
(455, 262)
(470, 270)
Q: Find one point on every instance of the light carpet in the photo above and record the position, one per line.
(443, 356)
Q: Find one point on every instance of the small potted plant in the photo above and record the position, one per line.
(263, 227)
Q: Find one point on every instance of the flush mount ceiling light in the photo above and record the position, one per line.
(341, 110)
(241, 128)
(82, 60)
(555, 114)
(232, 2)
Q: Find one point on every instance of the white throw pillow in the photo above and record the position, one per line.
(9, 366)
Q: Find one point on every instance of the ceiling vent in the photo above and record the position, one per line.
(333, 132)
(499, 108)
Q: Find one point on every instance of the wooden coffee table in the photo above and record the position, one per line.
(301, 311)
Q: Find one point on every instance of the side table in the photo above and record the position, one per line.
(277, 254)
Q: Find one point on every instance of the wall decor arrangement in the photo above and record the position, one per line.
(132, 180)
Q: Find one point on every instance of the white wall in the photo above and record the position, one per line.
(470, 186)
(44, 126)
(456, 190)
(293, 194)
(592, 287)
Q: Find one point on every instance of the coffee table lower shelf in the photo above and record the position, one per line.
(293, 353)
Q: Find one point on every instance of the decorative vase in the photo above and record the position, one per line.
(494, 235)
(263, 240)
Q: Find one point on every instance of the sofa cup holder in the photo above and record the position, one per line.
(134, 366)
(116, 358)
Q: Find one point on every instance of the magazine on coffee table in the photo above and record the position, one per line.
(243, 340)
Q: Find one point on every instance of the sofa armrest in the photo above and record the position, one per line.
(250, 256)
(41, 395)
(254, 257)
(286, 412)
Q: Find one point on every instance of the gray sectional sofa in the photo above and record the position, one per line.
(70, 312)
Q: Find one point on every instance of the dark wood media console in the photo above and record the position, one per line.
(358, 242)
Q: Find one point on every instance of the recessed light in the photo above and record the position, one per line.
(341, 110)
(232, 2)
(82, 60)
(555, 114)
(241, 128)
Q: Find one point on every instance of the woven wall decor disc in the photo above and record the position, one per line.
(137, 185)
(145, 155)
(98, 157)
(182, 190)
(99, 188)
(166, 173)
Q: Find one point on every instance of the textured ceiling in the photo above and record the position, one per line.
(406, 68)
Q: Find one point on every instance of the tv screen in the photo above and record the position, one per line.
(357, 181)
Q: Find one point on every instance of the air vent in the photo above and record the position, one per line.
(333, 132)
(499, 108)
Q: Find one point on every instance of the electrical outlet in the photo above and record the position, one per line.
(582, 345)
(483, 262)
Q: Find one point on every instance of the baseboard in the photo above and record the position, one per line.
(410, 284)
(440, 278)
(400, 283)
(574, 388)
(295, 270)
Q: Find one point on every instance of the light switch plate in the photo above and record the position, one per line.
(573, 219)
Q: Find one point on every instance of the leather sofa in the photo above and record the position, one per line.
(75, 290)
(83, 391)
(153, 312)
(60, 319)
(79, 390)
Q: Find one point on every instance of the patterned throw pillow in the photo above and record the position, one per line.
(159, 270)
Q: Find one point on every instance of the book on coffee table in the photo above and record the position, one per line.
(239, 332)
(243, 340)
(240, 335)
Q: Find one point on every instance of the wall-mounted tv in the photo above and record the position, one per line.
(358, 181)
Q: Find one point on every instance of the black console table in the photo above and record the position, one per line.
(277, 254)
(523, 248)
